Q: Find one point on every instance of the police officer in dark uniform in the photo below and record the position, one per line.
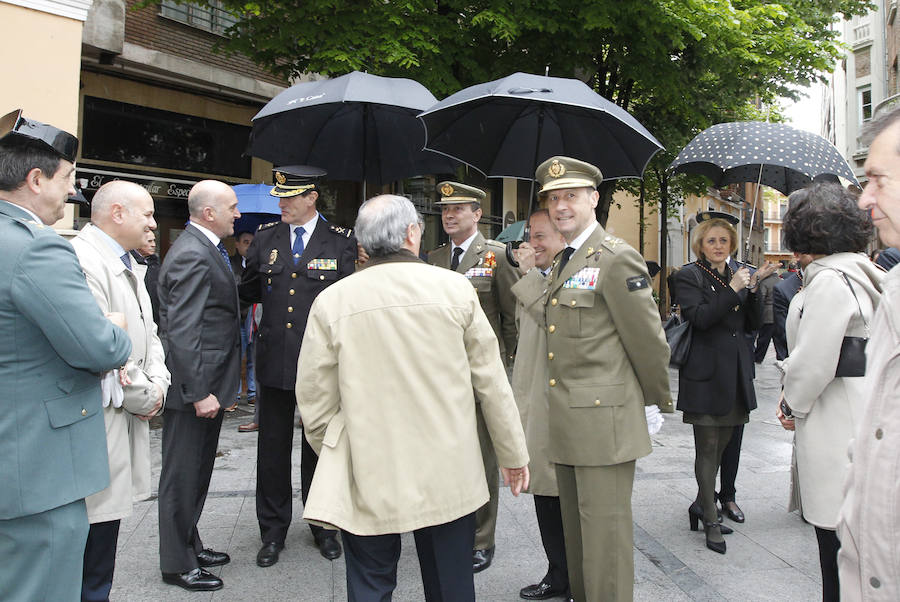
(288, 264)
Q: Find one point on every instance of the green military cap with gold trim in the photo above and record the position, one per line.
(453, 193)
(565, 172)
(292, 180)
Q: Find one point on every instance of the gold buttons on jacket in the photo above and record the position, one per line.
(290, 309)
(596, 402)
(291, 292)
(289, 325)
(294, 275)
(552, 382)
(83, 412)
(322, 277)
(572, 303)
(550, 356)
(551, 329)
(554, 301)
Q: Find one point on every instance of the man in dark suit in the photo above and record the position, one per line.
(54, 341)
(782, 294)
(147, 256)
(288, 264)
(200, 322)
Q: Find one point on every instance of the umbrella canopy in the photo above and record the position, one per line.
(513, 232)
(255, 198)
(357, 126)
(507, 127)
(773, 154)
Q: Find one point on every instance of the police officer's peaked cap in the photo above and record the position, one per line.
(454, 193)
(565, 172)
(62, 143)
(292, 180)
(702, 216)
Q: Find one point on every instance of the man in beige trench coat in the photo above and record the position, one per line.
(121, 220)
(607, 359)
(397, 438)
(484, 263)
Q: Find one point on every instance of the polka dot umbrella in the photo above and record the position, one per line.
(773, 154)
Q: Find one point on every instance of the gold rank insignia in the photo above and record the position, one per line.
(279, 177)
(273, 255)
(446, 190)
(556, 169)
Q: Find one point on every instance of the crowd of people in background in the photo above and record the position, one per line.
(538, 368)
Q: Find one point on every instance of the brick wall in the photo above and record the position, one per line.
(145, 27)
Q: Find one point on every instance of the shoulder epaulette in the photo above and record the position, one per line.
(341, 231)
(266, 226)
(611, 242)
(493, 243)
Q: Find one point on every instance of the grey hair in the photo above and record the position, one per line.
(876, 127)
(382, 223)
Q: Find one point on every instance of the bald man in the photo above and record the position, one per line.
(121, 220)
(200, 321)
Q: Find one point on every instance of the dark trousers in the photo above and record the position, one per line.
(731, 457)
(99, 561)
(829, 544)
(274, 495)
(763, 338)
(549, 518)
(445, 559)
(188, 454)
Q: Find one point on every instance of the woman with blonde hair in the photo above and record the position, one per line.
(715, 384)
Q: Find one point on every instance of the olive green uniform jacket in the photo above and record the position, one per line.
(606, 352)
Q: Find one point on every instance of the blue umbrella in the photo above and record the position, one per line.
(256, 205)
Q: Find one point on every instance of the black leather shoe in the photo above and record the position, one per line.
(268, 554)
(328, 545)
(733, 511)
(208, 558)
(695, 516)
(197, 580)
(481, 559)
(540, 591)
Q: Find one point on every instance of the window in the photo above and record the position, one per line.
(766, 244)
(212, 18)
(865, 104)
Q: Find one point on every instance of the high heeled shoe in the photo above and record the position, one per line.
(695, 516)
(713, 529)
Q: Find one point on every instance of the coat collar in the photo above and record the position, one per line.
(93, 236)
(401, 256)
(579, 258)
(213, 249)
(471, 257)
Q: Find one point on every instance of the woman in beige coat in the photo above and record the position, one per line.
(841, 289)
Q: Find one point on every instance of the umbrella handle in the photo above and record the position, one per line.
(510, 256)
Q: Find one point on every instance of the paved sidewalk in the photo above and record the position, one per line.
(773, 556)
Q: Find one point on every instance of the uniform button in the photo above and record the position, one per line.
(269, 271)
(294, 275)
(550, 356)
(551, 329)
(554, 301)
(596, 402)
(879, 434)
(552, 382)
(290, 309)
(573, 303)
(875, 582)
(289, 325)
(322, 277)
(268, 281)
(734, 334)
(291, 292)
(83, 412)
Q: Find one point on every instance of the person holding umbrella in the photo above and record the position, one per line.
(607, 358)
(288, 264)
(484, 263)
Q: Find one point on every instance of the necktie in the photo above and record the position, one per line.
(566, 254)
(297, 249)
(454, 261)
(126, 260)
(224, 253)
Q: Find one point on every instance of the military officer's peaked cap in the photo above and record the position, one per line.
(292, 180)
(702, 216)
(454, 193)
(61, 142)
(565, 172)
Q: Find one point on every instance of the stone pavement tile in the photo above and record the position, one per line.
(287, 580)
(768, 586)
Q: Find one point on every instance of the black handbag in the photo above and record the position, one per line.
(852, 361)
(679, 336)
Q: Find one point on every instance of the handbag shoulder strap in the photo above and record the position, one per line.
(855, 298)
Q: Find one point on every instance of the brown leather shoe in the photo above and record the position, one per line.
(250, 427)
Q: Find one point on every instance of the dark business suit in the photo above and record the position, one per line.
(200, 322)
(781, 299)
(286, 290)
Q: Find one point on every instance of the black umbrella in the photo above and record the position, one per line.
(507, 127)
(773, 154)
(357, 126)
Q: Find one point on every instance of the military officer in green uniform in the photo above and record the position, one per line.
(484, 263)
(607, 358)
